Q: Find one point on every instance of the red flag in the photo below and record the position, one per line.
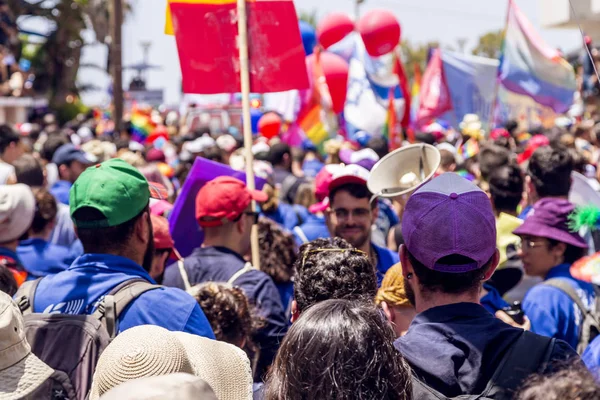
(207, 42)
(399, 70)
(435, 95)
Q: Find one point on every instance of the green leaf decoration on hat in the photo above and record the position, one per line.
(586, 216)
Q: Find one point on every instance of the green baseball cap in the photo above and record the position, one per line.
(116, 189)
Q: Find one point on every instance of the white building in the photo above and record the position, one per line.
(558, 14)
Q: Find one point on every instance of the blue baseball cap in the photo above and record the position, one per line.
(68, 153)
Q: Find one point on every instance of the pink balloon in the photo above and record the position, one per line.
(333, 28)
(335, 69)
(380, 31)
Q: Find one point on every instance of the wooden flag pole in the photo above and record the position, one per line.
(245, 83)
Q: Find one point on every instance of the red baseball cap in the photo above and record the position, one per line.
(162, 236)
(224, 199)
(322, 182)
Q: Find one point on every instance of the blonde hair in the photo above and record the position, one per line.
(392, 288)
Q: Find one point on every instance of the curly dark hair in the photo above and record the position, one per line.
(332, 269)
(572, 383)
(228, 311)
(277, 250)
(339, 349)
(45, 209)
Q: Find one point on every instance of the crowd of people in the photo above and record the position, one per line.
(467, 286)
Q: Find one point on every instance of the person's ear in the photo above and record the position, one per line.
(142, 227)
(63, 172)
(295, 313)
(559, 250)
(407, 267)
(493, 266)
(240, 225)
(389, 313)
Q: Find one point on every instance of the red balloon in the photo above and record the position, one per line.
(335, 69)
(380, 31)
(333, 28)
(269, 125)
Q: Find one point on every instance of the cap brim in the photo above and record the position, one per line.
(258, 195)
(86, 159)
(539, 230)
(319, 207)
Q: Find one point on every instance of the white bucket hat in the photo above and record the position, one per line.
(21, 372)
(167, 387)
(148, 350)
(17, 209)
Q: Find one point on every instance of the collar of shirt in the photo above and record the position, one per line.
(560, 271)
(33, 242)
(215, 251)
(450, 312)
(110, 263)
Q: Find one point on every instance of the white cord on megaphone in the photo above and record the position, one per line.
(587, 49)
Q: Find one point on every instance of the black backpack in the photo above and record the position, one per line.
(530, 354)
(590, 326)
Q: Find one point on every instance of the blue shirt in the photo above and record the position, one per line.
(312, 167)
(386, 259)
(64, 230)
(78, 290)
(386, 218)
(286, 293)
(552, 313)
(456, 348)
(492, 301)
(313, 228)
(41, 258)
(288, 216)
(591, 358)
(61, 190)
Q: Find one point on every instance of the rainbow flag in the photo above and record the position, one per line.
(389, 130)
(141, 125)
(530, 67)
(469, 149)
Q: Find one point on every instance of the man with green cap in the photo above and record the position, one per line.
(109, 207)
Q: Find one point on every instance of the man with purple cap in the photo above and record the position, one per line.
(352, 214)
(557, 307)
(454, 345)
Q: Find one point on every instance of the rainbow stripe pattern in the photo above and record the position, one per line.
(469, 149)
(141, 125)
(530, 67)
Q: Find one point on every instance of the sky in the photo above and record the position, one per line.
(421, 20)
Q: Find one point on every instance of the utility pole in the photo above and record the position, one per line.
(117, 64)
(357, 9)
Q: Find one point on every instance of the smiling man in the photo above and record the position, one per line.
(351, 216)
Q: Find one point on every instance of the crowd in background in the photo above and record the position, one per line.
(355, 297)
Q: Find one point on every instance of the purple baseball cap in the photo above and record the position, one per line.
(550, 219)
(450, 216)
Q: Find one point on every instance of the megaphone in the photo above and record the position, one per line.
(403, 170)
(582, 193)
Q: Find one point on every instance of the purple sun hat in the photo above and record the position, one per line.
(549, 219)
(450, 216)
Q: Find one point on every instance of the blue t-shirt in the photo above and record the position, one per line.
(552, 312)
(61, 190)
(386, 218)
(591, 358)
(78, 290)
(386, 259)
(313, 228)
(312, 167)
(41, 258)
(288, 216)
(492, 301)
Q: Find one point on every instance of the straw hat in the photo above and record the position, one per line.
(148, 350)
(139, 352)
(168, 387)
(21, 372)
(225, 367)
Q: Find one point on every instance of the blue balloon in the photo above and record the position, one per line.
(255, 115)
(309, 37)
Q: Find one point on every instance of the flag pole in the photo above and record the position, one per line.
(492, 118)
(245, 86)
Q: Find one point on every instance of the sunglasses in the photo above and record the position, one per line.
(254, 216)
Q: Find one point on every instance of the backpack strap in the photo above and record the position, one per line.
(247, 267)
(568, 289)
(25, 295)
(514, 368)
(184, 275)
(115, 302)
(298, 231)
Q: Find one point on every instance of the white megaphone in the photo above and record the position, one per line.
(403, 170)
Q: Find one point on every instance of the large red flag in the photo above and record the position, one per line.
(435, 95)
(207, 42)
